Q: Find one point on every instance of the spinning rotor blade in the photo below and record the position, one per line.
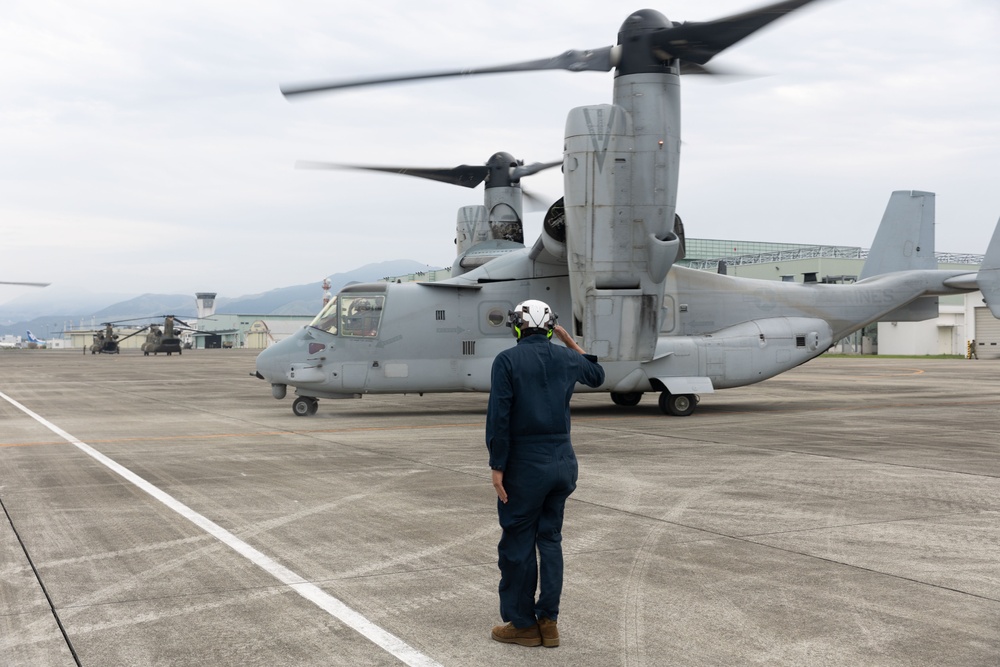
(699, 42)
(535, 203)
(596, 60)
(519, 172)
(468, 176)
(694, 43)
(5, 282)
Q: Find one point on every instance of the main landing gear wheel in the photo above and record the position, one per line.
(678, 405)
(631, 399)
(305, 406)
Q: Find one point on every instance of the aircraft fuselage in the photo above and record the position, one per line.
(718, 331)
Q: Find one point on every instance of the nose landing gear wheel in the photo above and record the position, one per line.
(678, 405)
(304, 406)
(628, 400)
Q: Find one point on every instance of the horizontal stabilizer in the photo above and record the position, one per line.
(989, 274)
(905, 238)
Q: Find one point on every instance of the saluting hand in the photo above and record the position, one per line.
(564, 336)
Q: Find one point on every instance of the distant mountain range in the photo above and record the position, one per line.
(51, 311)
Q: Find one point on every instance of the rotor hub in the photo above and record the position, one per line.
(501, 166)
(636, 39)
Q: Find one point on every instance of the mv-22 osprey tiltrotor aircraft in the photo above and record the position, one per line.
(605, 262)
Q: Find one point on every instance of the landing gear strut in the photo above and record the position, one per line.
(305, 406)
(678, 405)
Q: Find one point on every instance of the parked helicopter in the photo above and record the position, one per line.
(605, 260)
(166, 339)
(105, 342)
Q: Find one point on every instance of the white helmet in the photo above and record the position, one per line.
(531, 314)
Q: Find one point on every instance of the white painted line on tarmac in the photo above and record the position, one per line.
(381, 638)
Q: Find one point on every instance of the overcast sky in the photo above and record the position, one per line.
(145, 147)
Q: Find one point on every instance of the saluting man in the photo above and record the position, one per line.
(534, 467)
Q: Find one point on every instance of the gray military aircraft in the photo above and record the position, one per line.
(605, 260)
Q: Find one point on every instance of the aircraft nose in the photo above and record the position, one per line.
(271, 362)
(274, 362)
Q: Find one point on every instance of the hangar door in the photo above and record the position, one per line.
(987, 334)
(259, 335)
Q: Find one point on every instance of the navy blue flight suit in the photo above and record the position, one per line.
(527, 434)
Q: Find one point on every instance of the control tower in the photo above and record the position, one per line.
(206, 304)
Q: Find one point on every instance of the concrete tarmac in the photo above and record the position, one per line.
(168, 511)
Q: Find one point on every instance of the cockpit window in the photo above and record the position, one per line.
(360, 314)
(327, 318)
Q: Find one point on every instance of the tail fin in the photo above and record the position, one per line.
(989, 274)
(905, 239)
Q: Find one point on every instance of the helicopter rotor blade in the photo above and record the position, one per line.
(519, 172)
(6, 282)
(698, 42)
(132, 319)
(534, 202)
(468, 176)
(594, 60)
(134, 333)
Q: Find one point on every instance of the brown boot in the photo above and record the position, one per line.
(549, 632)
(508, 634)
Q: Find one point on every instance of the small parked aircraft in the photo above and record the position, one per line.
(33, 342)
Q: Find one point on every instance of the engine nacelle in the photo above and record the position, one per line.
(472, 227)
(554, 230)
(620, 174)
(486, 232)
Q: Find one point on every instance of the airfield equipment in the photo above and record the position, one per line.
(605, 262)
